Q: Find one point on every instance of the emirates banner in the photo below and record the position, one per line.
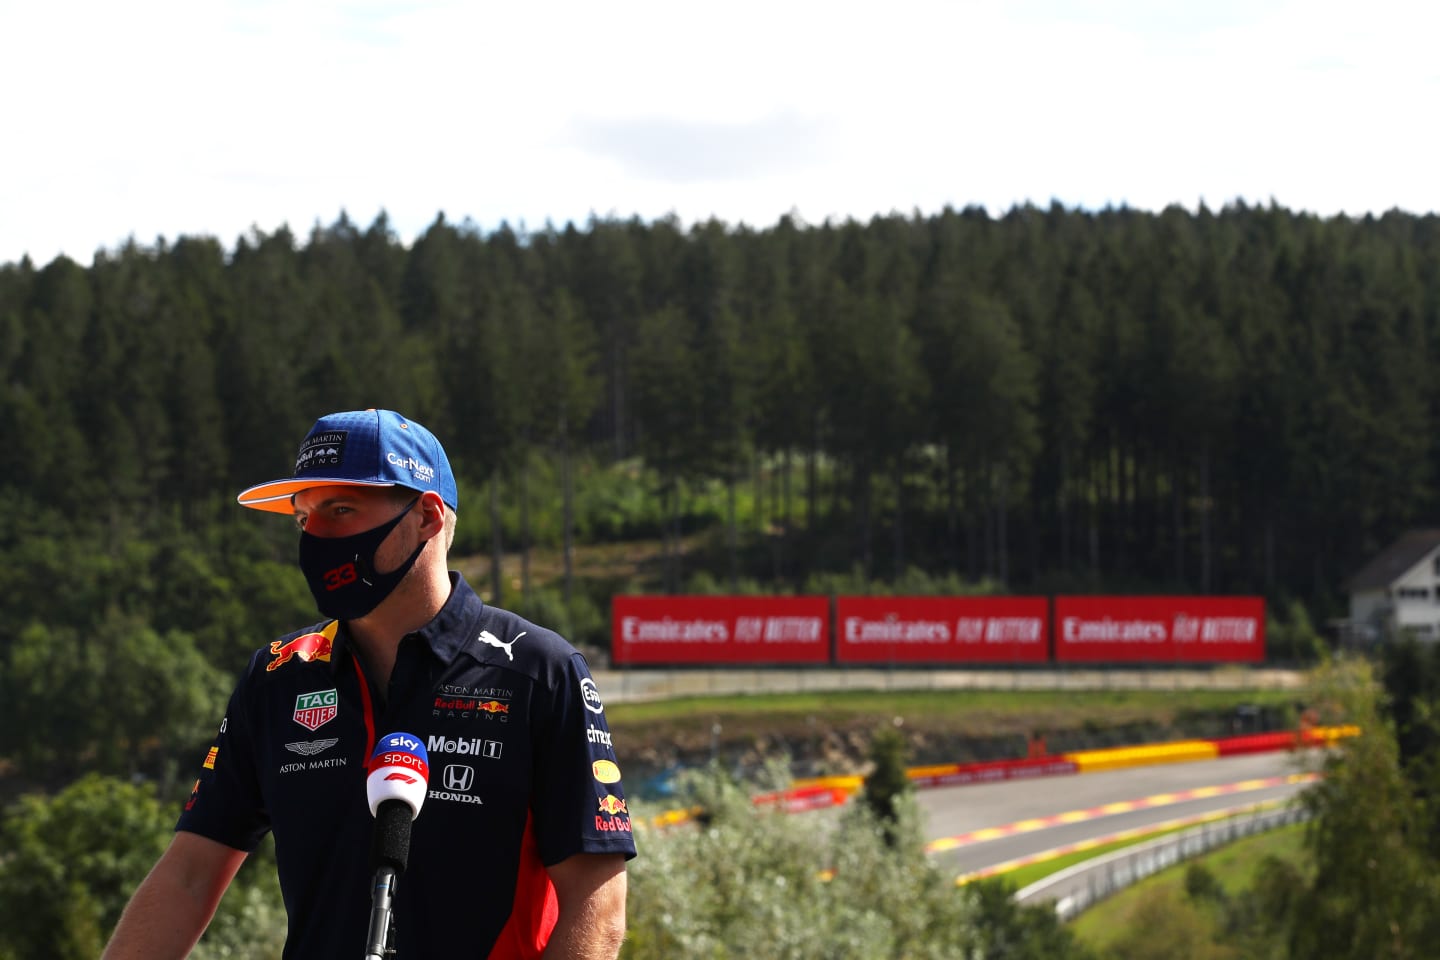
(720, 630)
(1160, 629)
(942, 630)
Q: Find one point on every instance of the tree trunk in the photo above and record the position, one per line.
(732, 533)
(567, 520)
(899, 524)
(1206, 584)
(952, 513)
(524, 529)
(1002, 529)
(496, 547)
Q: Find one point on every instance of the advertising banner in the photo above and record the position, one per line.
(1160, 629)
(942, 630)
(720, 630)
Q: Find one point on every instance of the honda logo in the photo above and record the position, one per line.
(459, 777)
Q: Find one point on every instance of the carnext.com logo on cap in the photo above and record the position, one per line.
(418, 470)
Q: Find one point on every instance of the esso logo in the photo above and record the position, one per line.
(591, 695)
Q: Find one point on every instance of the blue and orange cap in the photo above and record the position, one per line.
(361, 448)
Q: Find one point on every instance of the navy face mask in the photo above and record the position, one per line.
(341, 570)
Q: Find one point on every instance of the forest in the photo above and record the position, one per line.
(1047, 401)
(1215, 402)
(1053, 400)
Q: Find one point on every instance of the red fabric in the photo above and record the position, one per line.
(535, 910)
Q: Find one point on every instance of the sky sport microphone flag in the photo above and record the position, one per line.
(398, 774)
(399, 769)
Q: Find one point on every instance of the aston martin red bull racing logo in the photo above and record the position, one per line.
(308, 647)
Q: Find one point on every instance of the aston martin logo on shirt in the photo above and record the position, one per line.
(308, 748)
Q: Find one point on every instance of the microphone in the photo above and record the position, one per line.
(397, 781)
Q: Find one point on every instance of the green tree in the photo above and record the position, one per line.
(667, 407)
(1167, 926)
(1375, 891)
(71, 862)
(886, 785)
(568, 404)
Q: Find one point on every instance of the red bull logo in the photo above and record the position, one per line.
(308, 647)
(456, 703)
(612, 805)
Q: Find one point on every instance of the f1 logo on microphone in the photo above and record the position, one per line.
(459, 777)
(397, 775)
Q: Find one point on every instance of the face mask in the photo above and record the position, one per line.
(341, 570)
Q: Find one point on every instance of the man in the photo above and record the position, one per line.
(520, 844)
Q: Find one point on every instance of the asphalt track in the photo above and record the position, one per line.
(980, 829)
(974, 829)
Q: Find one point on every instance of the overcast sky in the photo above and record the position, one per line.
(162, 118)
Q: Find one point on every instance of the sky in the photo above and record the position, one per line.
(156, 119)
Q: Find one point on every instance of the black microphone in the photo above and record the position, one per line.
(399, 776)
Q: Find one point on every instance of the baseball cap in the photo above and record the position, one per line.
(362, 448)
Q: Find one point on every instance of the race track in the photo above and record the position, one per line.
(972, 828)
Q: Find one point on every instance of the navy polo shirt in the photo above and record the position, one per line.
(522, 774)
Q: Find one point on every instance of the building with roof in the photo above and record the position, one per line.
(1398, 590)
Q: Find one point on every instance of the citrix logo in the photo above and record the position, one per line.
(596, 735)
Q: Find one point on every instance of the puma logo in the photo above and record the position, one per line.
(489, 638)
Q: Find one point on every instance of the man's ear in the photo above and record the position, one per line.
(432, 514)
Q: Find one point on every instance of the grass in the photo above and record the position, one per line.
(1072, 705)
(928, 716)
(1233, 866)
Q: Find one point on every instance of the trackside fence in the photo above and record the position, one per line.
(1085, 884)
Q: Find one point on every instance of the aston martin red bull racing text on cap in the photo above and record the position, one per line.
(368, 448)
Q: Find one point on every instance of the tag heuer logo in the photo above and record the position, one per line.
(313, 710)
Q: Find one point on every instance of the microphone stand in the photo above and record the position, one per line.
(382, 921)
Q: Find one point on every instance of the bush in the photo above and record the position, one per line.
(748, 882)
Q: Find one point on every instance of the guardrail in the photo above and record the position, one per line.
(1079, 887)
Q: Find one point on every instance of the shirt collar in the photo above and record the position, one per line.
(446, 634)
(453, 627)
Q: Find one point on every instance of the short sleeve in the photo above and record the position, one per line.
(579, 801)
(225, 803)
